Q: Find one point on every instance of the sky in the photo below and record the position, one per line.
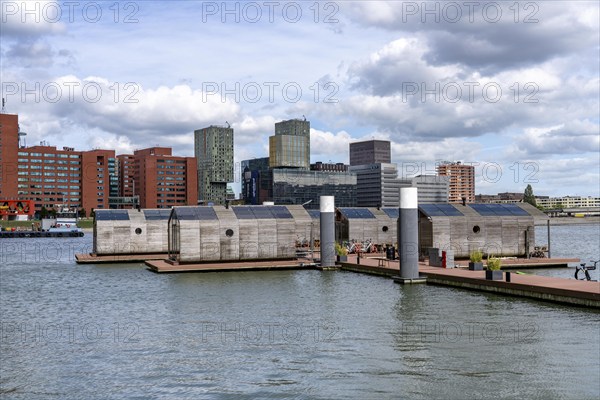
(512, 88)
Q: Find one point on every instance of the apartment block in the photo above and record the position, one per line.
(159, 179)
(51, 176)
(126, 163)
(9, 146)
(461, 181)
(567, 201)
(213, 148)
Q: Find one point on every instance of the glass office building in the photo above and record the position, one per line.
(293, 186)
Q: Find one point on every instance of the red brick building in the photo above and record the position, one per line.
(86, 179)
(9, 145)
(51, 176)
(160, 179)
(126, 164)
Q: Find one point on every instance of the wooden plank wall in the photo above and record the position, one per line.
(248, 239)
(229, 246)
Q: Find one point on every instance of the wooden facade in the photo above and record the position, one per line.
(198, 234)
(507, 232)
(130, 232)
(499, 230)
(379, 225)
(201, 234)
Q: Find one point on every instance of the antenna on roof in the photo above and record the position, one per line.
(304, 116)
(229, 126)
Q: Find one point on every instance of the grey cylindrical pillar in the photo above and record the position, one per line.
(408, 233)
(327, 231)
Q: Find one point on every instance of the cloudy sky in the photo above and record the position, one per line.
(512, 87)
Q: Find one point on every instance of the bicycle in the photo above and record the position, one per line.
(584, 268)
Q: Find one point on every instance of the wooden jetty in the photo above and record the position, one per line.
(560, 290)
(162, 266)
(90, 258)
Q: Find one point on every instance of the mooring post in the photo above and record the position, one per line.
(327, 231)
(408, 233)
(549, 256)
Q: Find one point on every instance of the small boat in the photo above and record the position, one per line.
(64, 226)
(66, 222)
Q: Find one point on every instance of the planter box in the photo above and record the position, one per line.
(493, 275)
(342, 258)
(475, 266)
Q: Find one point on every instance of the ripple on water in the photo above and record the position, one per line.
(75, 331)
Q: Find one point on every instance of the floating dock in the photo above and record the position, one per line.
(526, 263)
(39, 234)
(163, 266)
(90, 258)
(559, 290)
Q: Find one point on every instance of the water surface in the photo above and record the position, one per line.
(85, 331)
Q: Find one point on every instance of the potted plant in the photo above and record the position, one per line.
(493, 271)
(342, 252)
(476, 258)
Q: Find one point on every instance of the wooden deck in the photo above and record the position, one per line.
(525, 263)
(162, 266)
(89, 258)
(567, 291)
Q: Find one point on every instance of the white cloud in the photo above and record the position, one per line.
(371, 54)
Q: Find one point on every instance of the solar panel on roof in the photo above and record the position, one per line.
(155, 215)
(365, 213)
(356, 213)
(120, 215)
(102, 215)
(516, 210)
(261, 212)
(206, 213)
(280, 212)
(391, 212)
(186, 213)
(314, 214)
(348, 212)
(195, 213)
(439, 210)
(431, 210)
(501, 210)
(243, 212)
(449, 210)
(112, 215)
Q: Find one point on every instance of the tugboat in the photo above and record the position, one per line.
(65, 225)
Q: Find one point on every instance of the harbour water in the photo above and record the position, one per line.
(119, 331)
(570, 241)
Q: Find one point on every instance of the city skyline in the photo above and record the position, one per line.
(406, 171)
(364, 69)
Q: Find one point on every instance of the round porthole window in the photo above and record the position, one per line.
(385, 229)
(476, 229)
(138, 231)
(229, 232)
